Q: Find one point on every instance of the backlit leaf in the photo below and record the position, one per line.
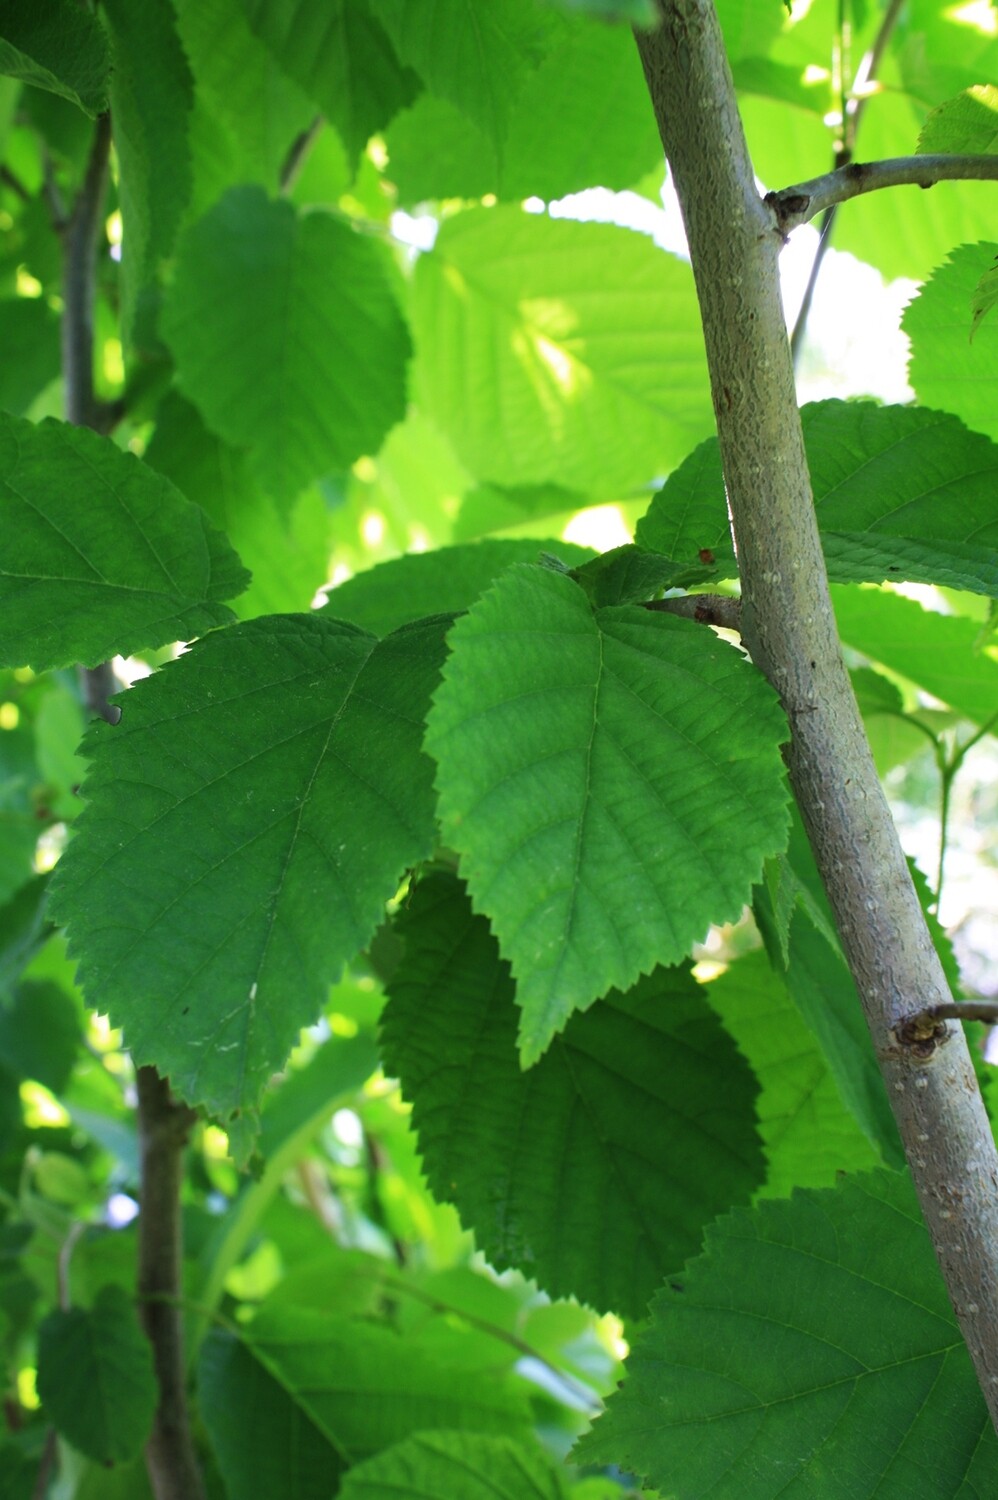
(317, 376)
(460, 1465)
(591, 767)
(967, 124)
(550, 350)
(947, 369)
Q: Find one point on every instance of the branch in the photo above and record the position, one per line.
(789, 628)
(705, 609)
(173, 1468)
(80, 236)
(794, 206)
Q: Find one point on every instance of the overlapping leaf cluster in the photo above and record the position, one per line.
(483, 776)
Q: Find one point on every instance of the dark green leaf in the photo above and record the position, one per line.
(900, 492)
(317, 376)
(281, 1450)
(29, 336)
(263, 796)
(98, 554)
(340, 55)
(56, 46)
(613, 1125)
(23, 930)
(460, 1465)
(629, 574)
(40, 1034)
(95, 1377)
(946, 368)
(812, 1348)
(152, 94)
(428, 583)
(528, 332)
(591, 767)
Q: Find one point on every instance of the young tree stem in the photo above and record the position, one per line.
(171, 1461)
(163, 1128)
(789, 627)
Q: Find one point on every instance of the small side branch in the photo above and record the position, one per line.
(705, 609)
(80, 236)
(796, 205)
(174, 1472)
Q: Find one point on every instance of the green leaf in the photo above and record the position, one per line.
(967, 124)
(95, 1376)
(317, 376)
(821, 986)
(287, 551)
(591, 767)
(947, 369)
(812, 1348)
(447, 581)
(631, 12)
(476, 56)
(151, 97)
(23, 930)
(938, 652)
(900, 493)
(460, 1465)
(340, 55)
(247, 112)
(985, 296)
(98, 554)
(550, 350)
(808, 1135)
(29, 336)
(40, 1034)
(263, 795)
(617, 1102)
(336, 1391)
(282, 1451)
(628, 575)
(58, 47)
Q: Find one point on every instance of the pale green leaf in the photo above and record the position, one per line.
(591, 768)
(428, 583)
(618, 1103)
(474, 55)
(967, 124)
(946, 368)
(57, 46)
(808, 1136)
(900, 493)
(95, 1376)
(247, 111)
(490, 507)
(938, 652)
(822, 988)
(810, 1350)
(550, 350)
(98, 553)
(152, 93)
(460, 1465)
(317, 376)
(906, 231)
(339, 54)
(262, 796)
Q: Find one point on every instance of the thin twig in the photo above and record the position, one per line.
(164, 1124)
(10, 179)
(81, 235)
(46, 1468)
(795, 205)
(298, 154)
(967, 1010)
